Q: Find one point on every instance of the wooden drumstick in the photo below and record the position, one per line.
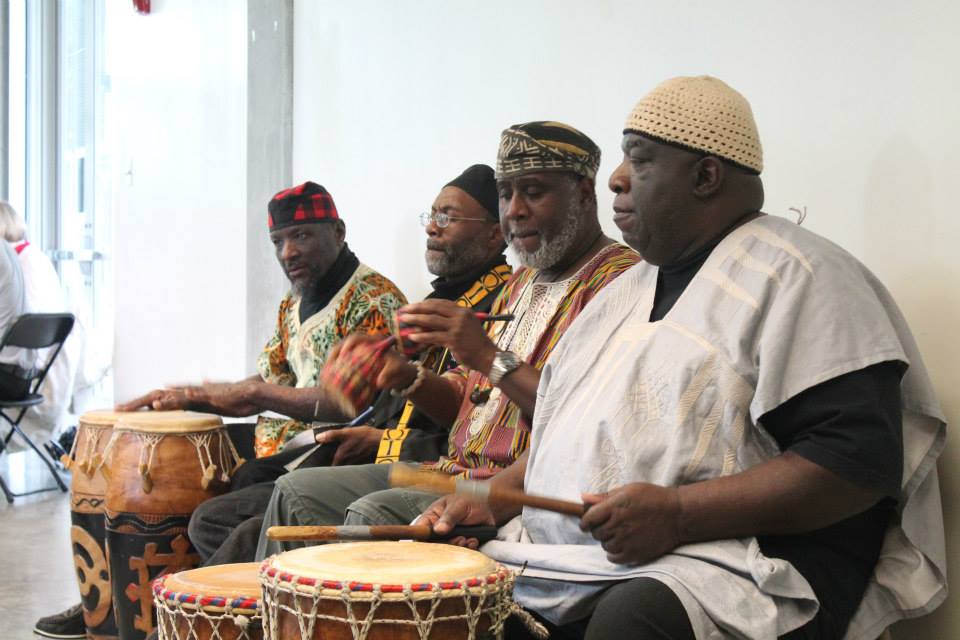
(402, 475)
(376, 532)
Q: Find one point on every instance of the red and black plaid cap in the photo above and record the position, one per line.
(303, 204)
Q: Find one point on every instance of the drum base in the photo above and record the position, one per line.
(139, 552)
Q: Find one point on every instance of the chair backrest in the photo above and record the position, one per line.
(38, 330)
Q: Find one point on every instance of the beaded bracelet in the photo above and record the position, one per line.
(413, 386)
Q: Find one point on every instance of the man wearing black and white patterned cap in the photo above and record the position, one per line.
(746, 414)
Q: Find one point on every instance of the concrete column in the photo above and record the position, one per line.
(269, 157)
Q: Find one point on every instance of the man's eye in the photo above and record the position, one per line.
(533, 191)
(505, 194)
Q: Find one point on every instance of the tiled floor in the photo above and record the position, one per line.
(36, 564)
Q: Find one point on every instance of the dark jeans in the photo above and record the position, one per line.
(225, 529)
(640, 609)
(645, 608)
(241, 434)
(12, 386)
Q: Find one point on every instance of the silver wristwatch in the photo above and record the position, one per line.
(503, 363)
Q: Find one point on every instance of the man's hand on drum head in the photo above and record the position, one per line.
(224, 398)
(450, 511)
(158, 400)
(442, 322)
(355, 445)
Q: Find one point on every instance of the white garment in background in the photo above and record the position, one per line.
(773, 311)
(44, 294)
(13, 304)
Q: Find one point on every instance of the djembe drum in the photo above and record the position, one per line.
(162, 466)
(384, 591)
(88, 488)
(209, 603)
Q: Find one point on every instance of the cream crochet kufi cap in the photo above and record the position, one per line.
(700, 113)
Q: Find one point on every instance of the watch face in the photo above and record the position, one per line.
(503, 363)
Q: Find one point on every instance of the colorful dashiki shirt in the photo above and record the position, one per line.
(294, 356)
(415, 436)
(489, 436)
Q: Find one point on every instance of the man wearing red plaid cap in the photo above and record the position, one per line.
(332, 295)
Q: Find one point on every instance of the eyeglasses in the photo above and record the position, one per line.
(442, 219)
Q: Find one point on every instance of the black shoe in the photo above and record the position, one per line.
(56, 453)
(65, 441)
(67, 624)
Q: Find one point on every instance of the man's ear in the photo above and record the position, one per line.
(340, 231)
(587, 190)
(709, 174)
(496, 236)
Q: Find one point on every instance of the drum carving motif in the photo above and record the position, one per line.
(93, 576)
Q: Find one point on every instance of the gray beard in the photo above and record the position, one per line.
(552, 250)
(456, 261)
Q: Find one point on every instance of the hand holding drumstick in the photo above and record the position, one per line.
(473, 502)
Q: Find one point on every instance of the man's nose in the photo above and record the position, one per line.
(288, 250)
(514, 207)
(620, 179)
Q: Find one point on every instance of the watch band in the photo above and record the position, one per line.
(504, 363)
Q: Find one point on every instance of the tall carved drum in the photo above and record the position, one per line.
(88, 489)
(209, 603)
(384, 591)
(161, 467)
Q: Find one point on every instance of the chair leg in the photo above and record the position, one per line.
(45, 458)
(6, 490)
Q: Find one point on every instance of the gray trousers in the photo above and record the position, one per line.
(225, 529)
(354, 495)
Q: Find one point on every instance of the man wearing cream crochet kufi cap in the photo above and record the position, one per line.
(746, 413)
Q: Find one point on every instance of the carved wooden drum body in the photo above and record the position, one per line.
(162, 466)
(88, 489)
(209, 603)
(384, 591)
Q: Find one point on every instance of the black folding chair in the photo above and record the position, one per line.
(33, 331)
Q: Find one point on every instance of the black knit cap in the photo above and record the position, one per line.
(478, 181)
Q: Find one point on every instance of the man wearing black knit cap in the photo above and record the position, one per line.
(465, 252)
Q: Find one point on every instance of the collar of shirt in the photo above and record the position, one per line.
(332, 281)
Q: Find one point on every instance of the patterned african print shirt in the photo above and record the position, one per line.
(488, 437)
(295, 354)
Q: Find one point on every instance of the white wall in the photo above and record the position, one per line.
(856, 101)
(179, 79)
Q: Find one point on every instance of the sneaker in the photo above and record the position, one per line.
(67, 624)
(65, 441)
(56, 453)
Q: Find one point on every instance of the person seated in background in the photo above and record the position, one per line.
(745, 414)
(16, 365)
(548, 214)
(45, 294)
(332, 295)
(464, 249)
